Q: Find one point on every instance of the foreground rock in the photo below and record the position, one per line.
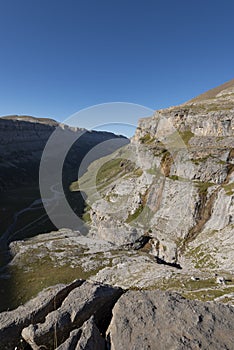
(157, 320)
(12, 322)
(83, 302)
(87, 337)
(94, 316)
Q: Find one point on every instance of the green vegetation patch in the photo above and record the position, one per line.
(34, 275)
(108, 172)
(186, 136)
(116, 167)
(174, 177)
(154, 171)
(146, 139)
(203, 186)
(74, 186)
(209, 294)
(112, 168)
(229, 189)
(201, 258)
(86, 216)
(135, 215)
(198, 161)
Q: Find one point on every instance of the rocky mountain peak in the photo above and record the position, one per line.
(210, 114)
(225, 90)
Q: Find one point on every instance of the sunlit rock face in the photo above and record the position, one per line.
(174, 182)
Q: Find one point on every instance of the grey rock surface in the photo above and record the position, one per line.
(87, 337)
(71, 342)
(158, 320)
(12, 322)
(91, 316)
(83, 302)
(180, 185)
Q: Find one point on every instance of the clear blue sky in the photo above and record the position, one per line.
(59, 56)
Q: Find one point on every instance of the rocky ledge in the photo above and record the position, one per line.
(85, 315)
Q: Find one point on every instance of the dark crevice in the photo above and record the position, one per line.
(103, 317)
(163, 262)
(139, 243)
(61, 296)
(108, 342)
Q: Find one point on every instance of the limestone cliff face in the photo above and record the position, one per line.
(174, 182)
(210, 114)
(21, 146)
(22, 141)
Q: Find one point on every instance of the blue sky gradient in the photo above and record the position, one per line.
(60, 56)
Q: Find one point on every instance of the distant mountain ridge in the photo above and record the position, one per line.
(31, 119)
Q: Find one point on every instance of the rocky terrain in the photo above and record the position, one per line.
(158, 251)
(172, 188)
(22, 214)
(86, 315)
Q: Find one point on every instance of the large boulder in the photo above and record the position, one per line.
(83, 302)
(165, 320)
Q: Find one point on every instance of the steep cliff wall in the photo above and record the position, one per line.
(178, 187)
(21, 146)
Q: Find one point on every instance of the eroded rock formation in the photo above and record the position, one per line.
(91, 316)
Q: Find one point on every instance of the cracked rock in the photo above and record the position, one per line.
(87, 337)
(12, 322)
(83, 302)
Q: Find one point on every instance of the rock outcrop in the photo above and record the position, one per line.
(157, 320)
(81, 303)
(13, 322)
(91, 316)
(160, 216)
(65, 316)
